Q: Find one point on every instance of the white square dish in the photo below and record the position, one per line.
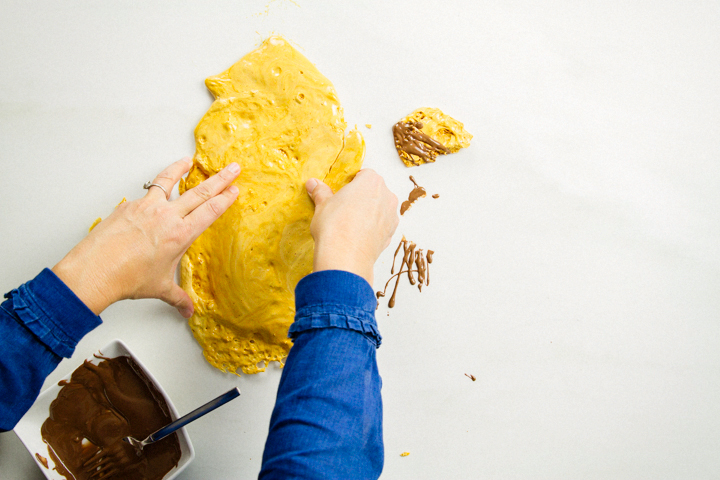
(28, 428)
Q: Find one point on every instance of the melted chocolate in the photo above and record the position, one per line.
(400, 245)
(411, 258)
(428, 257)
(412, 142)
(96, 409)
(417, 192)
(42, 460)
(420, 264)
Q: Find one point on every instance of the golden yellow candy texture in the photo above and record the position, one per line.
(280, 119)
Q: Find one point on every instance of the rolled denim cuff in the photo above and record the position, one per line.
(335, 299)
(52, 312)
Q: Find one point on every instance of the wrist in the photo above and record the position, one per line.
(343, 258)
(84, 283)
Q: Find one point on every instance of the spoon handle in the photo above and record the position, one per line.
(194, 415)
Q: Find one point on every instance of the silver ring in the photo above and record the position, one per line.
(149, 184)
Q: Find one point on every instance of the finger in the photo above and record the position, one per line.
(169, 177)
(366, 173)
(318, 190)
(178, 298)
(207, 190)
(204, 215)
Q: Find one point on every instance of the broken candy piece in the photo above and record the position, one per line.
(426, 133)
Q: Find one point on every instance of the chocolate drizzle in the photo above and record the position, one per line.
(417, 192)
(96, 409)
(413, 261)
(416, 146)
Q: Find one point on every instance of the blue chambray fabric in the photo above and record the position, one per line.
(40, 323)
(327, 421)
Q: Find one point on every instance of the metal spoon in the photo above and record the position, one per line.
(184, 420)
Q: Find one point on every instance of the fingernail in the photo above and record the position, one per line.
(234, 167)
(233, 189)
(188, 160)
(311, 184)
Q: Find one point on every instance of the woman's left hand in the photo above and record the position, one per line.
(134, 252)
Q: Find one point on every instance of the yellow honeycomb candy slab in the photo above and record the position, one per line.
(280, 119)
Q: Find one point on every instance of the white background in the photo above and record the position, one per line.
(577, 266)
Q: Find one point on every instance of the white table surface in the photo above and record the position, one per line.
(577, 265)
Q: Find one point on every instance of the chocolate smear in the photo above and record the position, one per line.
(417, 192)
(413, 144)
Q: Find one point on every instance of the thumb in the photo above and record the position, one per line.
(318, 190)
(178, 298)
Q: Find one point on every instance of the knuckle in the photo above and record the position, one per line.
(165, 293)
(131, 209)
(182, 234)
(203, 192)
(225, 174)
(163, 176)
(394, 199)
(215, 208)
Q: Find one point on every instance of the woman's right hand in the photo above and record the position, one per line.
(353, 226)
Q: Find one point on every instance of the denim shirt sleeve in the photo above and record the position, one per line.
(40, 323)
(327, 420)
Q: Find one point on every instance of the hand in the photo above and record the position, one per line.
(134, 252)
(352, 227)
